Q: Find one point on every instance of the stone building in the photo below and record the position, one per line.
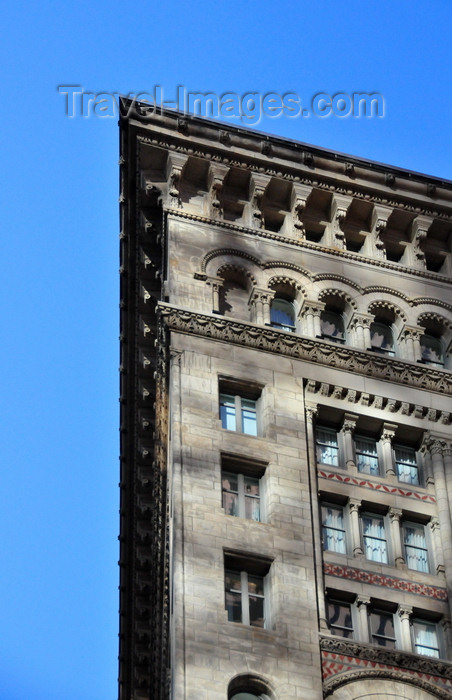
(286, 449)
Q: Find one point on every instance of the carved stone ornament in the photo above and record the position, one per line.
(292, 345)
(390, 657)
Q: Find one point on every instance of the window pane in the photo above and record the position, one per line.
(227, 411)
(366, 456)
(406, 465)
(333, 529)
(415, 548)
(252, 498)
(249, 421)
(282, 314)
(256, 600)
(382, 629)
(229, 485)
(431, 350)
(374, 538)
(426, 639)
(233, 596)
(381, 338)
(327, 447)
(332, 326)
(340, 619)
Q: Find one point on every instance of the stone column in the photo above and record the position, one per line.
(404, 612)
(354, 506)
(410, 345)
(348, 428)
(360, 324)
(259, 301)
(437, 546)
(447, 632)
(310, 317)
(394, 517)
(386, 437)
(447, 456)
(435, 446)
(215, 283)
(362, 604)
(311, 411)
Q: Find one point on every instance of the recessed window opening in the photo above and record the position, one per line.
(332, 326)
(381, 338)
(282, 314)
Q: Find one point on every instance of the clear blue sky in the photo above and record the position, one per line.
(59, 355)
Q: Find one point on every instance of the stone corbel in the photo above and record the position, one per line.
(217, 175)
(300, 195)
(380, 216)
(419, 230)
(174, 167)
(258, 185)
(339, 208)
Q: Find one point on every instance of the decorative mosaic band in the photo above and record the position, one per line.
(426, 497)
(385, 581)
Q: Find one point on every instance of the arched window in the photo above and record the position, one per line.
(381, 337)
(249, 687)
(282, 314)
(432, 350)
(332, 326)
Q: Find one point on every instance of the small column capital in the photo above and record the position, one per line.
(388, 432)
(312, 410)
(313, 307)
(354, 505)
(349, 423)
(264, 295)
(395, 514)
(363, 320)
(362, 600)
(404, 611)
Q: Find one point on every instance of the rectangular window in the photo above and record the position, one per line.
(407, 469)
(382, 629)
(238, 413)
(415, 546)
(327, 448)
(244, 598)
(366, 456)
(340, 618)
(374, 538)
(333, 529)
(241, 495)
(425, 638)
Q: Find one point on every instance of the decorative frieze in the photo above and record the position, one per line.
(384, 581)
(313, 350)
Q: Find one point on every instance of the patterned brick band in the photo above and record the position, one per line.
(385, 581)
(426, 497)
